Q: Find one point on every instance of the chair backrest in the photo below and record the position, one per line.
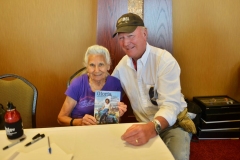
(77, 74)
(23, 94)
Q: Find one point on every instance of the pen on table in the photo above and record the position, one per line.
(10, 145)
(35, 140)
(49, 147)
(36, 136)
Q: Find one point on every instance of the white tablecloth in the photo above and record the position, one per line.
(101, 142)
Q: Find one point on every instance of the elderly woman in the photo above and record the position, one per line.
(78, 107)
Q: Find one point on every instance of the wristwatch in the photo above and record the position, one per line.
(157, 125)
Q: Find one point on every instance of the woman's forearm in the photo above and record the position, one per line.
(65, 121)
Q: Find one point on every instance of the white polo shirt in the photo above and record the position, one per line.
(156, 68)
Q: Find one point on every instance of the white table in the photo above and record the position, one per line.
(101, 142)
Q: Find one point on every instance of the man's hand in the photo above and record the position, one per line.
(139, 134)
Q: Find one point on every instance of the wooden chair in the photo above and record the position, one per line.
(23, 94)
(76, 74)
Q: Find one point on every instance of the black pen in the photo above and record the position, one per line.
(35, 140)
(10, 145)
(49, 146)
(36, 136)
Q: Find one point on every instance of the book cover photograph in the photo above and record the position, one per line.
(105, 107)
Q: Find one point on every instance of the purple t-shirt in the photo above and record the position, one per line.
(80, 91)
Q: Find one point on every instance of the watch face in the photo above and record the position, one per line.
(157, 126)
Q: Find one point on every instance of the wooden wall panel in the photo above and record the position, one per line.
(158, 19)
(206, 44)
(45, 41)
(108, 13)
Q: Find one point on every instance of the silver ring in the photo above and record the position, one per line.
(136, 141)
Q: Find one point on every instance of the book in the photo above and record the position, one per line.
(105, 107)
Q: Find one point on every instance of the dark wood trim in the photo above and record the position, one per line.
(108, 13)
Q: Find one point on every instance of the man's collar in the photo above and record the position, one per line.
(144, 57)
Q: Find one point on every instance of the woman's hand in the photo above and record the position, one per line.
(88, 120)
(122, 108)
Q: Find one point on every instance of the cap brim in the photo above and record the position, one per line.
(125, 29)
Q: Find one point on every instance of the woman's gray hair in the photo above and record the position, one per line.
(97, 50)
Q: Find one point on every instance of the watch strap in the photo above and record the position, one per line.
(71, 122)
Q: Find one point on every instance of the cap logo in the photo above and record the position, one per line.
(123, 20)
(127, 23)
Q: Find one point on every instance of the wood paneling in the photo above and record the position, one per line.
(206, 45)
(108, 13)
(158, 20)
(45, 41)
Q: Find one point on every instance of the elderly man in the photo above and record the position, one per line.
(146, 69)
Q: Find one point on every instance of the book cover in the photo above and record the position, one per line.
(105, 107)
